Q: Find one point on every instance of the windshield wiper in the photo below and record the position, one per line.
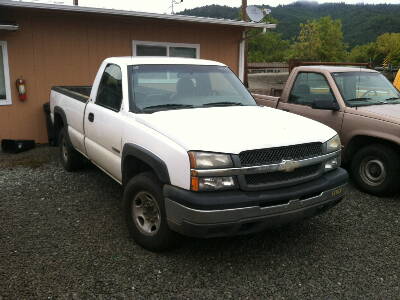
(392, 98)
(358, 99)
(168, 106)
(223, 103)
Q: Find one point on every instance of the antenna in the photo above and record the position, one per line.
(256, 14)
(174, 2)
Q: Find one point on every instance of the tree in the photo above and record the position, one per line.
(268, 47)
(320, 40)
(363, 53)
(388, 45)
(385, 48)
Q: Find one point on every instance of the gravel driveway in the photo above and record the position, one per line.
(62, 235)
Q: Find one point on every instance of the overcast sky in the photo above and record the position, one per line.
(164, 6)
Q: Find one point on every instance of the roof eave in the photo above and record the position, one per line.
(9, 27)
(107, 11)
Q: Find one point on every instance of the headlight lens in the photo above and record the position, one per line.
(215, 183)
(332, 163)
(333, 144)
(207, 160)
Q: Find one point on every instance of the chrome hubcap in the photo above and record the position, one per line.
(372, 171)
(146, 213)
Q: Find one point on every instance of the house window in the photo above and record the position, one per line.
(5, 90)
(142, 48)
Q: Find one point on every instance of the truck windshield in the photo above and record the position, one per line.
(166, 87)
(366, 88)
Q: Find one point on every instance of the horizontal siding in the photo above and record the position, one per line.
(60, 48)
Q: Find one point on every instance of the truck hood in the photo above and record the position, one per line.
(384, 112)
(235, 129)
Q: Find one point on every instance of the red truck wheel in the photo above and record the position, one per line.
(375, 170)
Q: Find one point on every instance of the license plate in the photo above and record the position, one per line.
(337, 192)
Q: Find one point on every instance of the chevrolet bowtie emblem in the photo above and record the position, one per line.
(288, 165)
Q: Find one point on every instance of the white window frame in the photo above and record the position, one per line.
(7, 101)
(167, 45)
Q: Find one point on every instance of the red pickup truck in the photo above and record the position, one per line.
(362, 106)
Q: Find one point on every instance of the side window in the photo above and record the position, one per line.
(309, 87)
(109, 94)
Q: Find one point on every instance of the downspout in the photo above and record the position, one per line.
(242, 48)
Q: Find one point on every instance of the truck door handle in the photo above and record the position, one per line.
(91, 117)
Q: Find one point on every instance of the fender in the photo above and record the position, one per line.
(60, 111)
(56, 127)
(156, 163)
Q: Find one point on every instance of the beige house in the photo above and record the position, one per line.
(47, 45)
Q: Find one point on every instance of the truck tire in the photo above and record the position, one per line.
(375, 170)
(71, 159)
(143, 203)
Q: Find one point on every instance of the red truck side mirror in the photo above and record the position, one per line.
(326, 105)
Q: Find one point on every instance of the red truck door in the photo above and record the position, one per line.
(308, 88)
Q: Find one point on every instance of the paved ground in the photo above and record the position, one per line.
(62, 236)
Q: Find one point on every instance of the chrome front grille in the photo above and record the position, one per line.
(276, 155)
(270, 180)
(282, 177)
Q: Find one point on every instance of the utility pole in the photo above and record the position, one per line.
(244, 18)
(244, 14)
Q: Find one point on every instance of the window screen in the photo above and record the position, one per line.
(2, 77)
(109, 94)
(165, 49)
(5, 89)
(182, 52)
(147, 50)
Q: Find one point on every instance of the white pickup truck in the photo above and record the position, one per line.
(193, 152)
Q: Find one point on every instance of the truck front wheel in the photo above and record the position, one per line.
(375, 170)
(145, 213)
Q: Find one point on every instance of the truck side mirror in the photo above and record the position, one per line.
(326, 105)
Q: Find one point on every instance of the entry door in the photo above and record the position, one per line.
(307, 88)
(103, 126)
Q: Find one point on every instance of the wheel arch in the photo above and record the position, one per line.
(136, 159)
(60, 121)
(359, 141)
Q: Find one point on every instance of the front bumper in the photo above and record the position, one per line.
(236, 212)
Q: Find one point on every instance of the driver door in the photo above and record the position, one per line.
(308, 87)
(103, 124)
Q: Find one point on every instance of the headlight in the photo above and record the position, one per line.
(207, 160)
(212, 183)
(333, 144)
(332, 163)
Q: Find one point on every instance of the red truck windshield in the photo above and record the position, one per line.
(164, 87)
(366, 88)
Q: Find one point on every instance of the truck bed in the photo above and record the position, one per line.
(264, 100)
(80, 93)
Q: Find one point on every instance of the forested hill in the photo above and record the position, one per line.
(362, 23)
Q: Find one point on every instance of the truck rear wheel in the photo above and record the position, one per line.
(71, 159)
(375, 170)
(145, 213)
